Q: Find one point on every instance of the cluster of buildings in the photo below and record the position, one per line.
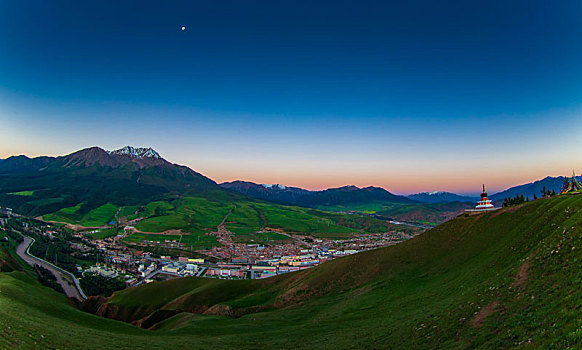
(235, 260)
(103, 271)
(229, 260)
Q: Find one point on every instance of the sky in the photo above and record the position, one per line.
(411, 96)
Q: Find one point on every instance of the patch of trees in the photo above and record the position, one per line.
(519, 199)
(57, 251)
(99, 285)
(546, 193)
(14, 236)
(46, 278)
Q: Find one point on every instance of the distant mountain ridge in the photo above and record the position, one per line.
(132, 175)
(330, 197)
(273, 193)
(441, 197)
(551, 183)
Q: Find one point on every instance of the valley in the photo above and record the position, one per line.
(427, 290)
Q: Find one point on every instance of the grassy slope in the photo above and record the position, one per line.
(422, 293)
(99, 216)
(197, 216)
(428, 213)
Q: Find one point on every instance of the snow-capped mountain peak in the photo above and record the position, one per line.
(440, 197)
(434, 193)
(281, 187)
(137, 152)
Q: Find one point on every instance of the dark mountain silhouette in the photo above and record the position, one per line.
(441, 197)
(346, 195)
(95, 177)
(529, 189)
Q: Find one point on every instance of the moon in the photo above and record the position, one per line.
(183, 28)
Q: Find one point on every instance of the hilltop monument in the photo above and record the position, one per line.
(571, 185)
(484, 203)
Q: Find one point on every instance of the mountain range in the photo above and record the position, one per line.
(341, 196)
(441, 197)
(98, 188)
(130, 176)
(529, 189)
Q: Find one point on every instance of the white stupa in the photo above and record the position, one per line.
(484, 203)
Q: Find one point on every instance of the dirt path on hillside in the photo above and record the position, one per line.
(518, 282)
(522, 275)
(477, 321)
(173, 232)
(225, 218)
(75, 227)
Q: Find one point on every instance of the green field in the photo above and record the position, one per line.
(23, 193)
(106, 233)
(198, 215)
(201, 215)
(504, 279)
(193, 241)
(426, 213)
(260, 237)
(245, 219)
(190, 214)
(128, 212)
(100, 216)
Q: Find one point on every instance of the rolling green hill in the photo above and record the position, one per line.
(496, 280)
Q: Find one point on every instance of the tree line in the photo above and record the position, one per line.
(520, 198)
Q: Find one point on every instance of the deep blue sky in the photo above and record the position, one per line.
(411, 96)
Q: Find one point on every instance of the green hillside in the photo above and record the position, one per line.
(497, 280)
(198, 215)
(424, 213)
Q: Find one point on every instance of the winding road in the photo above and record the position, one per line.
(69, 282)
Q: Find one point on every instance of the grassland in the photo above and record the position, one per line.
(498, 280)
(100, 216)
(260, 237)
(424, 213)
(197, 216)
(193, 241)
(194, 217)
(105, 233)
(23, 193)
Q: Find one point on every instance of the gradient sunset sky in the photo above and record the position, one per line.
(411, 96)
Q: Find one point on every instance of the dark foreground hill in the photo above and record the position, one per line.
(502, 279)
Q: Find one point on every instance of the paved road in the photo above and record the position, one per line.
(65, 279)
